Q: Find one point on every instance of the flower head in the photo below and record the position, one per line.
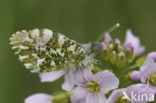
(114, 52)
(91, 88)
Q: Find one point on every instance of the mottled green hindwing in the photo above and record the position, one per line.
(45, 50)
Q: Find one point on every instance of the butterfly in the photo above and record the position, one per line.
(46, 50)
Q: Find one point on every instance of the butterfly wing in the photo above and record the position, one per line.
(45, 50)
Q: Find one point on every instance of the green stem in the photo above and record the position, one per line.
(63, 97)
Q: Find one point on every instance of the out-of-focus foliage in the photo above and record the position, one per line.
(82, 20)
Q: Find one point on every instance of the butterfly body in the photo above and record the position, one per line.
(45, 50)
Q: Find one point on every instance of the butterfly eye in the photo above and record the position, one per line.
(95, 47)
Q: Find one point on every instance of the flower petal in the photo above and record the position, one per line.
(95, 98)
(146, 69)
(107, 80)
(81, 76)
(135, 41)
(51, 76)
(68, 83)
(38, 98)
(152, 87)
(79, 95)
(116, 93)
(138, 91)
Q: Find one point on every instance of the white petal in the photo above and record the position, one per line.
(96, 98)
(51, 76)
(135, 41)
(79, 95)
(107, 80)
(146, 69)
(68, 83)
(81, 76)
(39, 98)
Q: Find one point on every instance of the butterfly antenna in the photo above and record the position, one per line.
(108, 31)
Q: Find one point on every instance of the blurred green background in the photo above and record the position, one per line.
(82, 20)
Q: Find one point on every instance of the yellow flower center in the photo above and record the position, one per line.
(93, 87)
(152, 79)
(122, 99)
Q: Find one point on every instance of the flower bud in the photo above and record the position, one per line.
(121, 61)
(152, 55)
(121, 54)
(129, 47)
(111, 46)
(135, 76)
(113, 58)
(103, 46)
(117, 41)
(129, 51)
(104, 51)
(120, 48)
(108, 38)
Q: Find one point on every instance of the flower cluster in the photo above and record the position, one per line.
(116, 53)
(126, 76)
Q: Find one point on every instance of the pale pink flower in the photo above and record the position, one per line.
(91, 88)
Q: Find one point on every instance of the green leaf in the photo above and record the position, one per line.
(141, 60)
(138, 62)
